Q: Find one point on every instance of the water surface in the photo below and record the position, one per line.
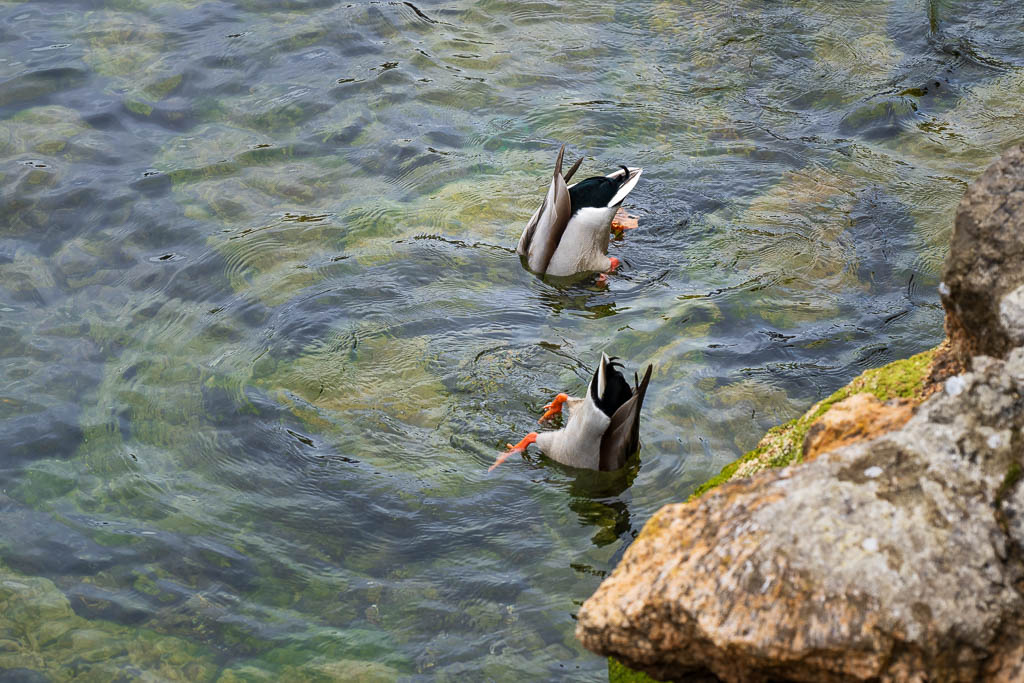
(262, 329)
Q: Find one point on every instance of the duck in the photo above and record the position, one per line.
(569, 233)
(603, 427)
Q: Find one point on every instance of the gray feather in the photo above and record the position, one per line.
(544, 232)
(622, 438)
(572, 170)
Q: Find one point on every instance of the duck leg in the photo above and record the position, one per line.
(518, 448)
(554, 408)
(613, 263)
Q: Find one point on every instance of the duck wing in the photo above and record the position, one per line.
(544, 231)
(622, 438)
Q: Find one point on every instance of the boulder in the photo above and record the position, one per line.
(893, 559)
(895, 552)
(982, 285)
(859, 417)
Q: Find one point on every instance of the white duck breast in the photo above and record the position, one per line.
(569, 233)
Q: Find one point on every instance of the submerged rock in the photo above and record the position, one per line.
(983, 282)
(42, 638)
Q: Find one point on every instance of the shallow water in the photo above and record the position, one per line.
(262, 329)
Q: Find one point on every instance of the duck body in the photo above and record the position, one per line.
(578, 444)
(569, 233)
(603, 428)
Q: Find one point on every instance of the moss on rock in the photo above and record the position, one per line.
(620, 673)
(783, 445)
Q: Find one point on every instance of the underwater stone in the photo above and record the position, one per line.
(22, 675)
(879, 121)
(984, 310)
(42, 639)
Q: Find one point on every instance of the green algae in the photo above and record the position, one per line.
(319, 669)
(783, 445)
(38, 148)
(274, 210)
(620, 673)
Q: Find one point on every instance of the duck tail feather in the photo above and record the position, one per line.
(572, 169)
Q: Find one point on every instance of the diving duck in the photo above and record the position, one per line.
(569, 233)
(603, 428)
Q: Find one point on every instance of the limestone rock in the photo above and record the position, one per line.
(981, 287)
(859, 417)
(893, 559)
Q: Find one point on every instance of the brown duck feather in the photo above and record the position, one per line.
(551, 220)
(622, 438)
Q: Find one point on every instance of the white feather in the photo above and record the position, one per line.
(578, 444)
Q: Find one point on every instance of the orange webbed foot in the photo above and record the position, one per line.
(554, 408)
(518, 448)
(613, 264)
(623, 221)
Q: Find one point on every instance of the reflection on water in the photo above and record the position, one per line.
(262, 327)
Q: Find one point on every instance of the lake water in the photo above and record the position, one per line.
(262, 327)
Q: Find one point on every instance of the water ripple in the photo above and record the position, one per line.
(262, 328)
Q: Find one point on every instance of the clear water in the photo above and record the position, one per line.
(262, 329)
